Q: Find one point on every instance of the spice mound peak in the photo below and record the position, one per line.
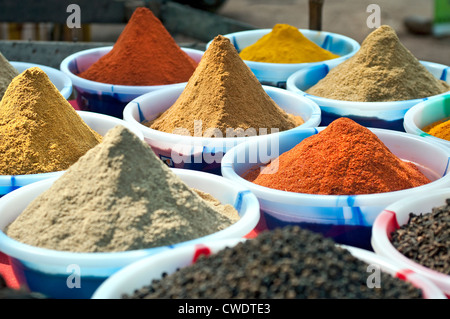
(382, 70)
(343, 159)
(40, 131)
(225, 95)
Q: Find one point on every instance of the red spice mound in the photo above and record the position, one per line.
(343, 159)
(144, 54)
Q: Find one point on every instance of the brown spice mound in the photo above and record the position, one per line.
(40, 131)
(343, 159)
(224, 94)
(382, 70)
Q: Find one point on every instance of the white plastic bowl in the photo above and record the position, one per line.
(62, 82)
(276, 74)
(98, 122)
(197, 152)
(426, 113)
(142, 272)
(396, 215)
(105, 98)
(387, 115)
(46, 271)
(348, 219)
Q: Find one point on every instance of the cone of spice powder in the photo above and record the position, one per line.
(382, 70)
(119, 196)
(40, 131)
(7, 73)
(343, 159)
(224, 94)
(144, 54)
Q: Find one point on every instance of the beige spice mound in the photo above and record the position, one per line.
(382, 70)
(225, 95)
(119, 196)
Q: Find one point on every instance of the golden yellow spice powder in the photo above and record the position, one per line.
(40, 131)
(285, 44)
(439, 129)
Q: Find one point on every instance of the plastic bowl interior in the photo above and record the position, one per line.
(388, 115)
(48, 271)
(348, 219)
(197, 152)
(101, 97)
(62, 82)
(276, 74)
(396, 215)
(426, 113)
(142, 272)
(98, 122)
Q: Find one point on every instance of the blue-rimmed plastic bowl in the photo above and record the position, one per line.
(396, 215)
(348, 219)
(387, 115)
(62, 82)
(98, 122)
(426, 113)
(48, 271)
(276, 74)
(197, 152)
(105, 98)
(141, 273)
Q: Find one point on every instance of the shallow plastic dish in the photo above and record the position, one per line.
(197, 152)
(62, 82)
(98, 122)
(426, 113)
(142, 272)
(49, 271)
(276, 74)
(387, 115)
(396, 215)
(105, 98)
(348, 219)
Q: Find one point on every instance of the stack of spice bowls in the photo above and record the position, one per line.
(62, 82)
(276, 74)
(396, 216)
(137, 276)
(348, 219)
(386, 115)
(48, 271)
(109, 99)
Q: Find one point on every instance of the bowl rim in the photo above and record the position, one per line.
(410, 125)
(306, 32)
(200, 140)
(382, 106)
(117, 281)
(85, 83)
(294, 198)
(66, 91)
(29, 253)
(381, 242)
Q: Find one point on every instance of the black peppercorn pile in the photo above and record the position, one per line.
(426, 238)
(284, 263)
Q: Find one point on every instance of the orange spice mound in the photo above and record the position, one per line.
(144, 54)
(343, 159)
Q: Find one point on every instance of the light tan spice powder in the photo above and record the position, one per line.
(224, 94)
(382, 70)
(117, 197)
